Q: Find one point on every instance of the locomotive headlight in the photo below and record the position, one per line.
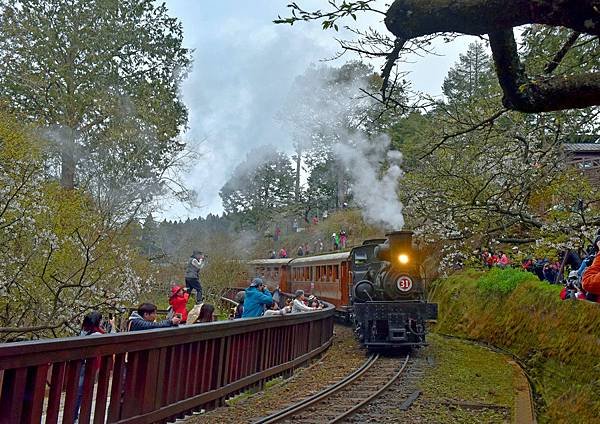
(402, 258)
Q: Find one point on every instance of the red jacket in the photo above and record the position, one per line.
(591, 277)
(179, 302)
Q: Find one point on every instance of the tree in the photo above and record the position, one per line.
(261, 185)
(471, 78)
(418, 21)
(149, 242)
(323, 107)
(101, 77)
(506, 181)
(58, 259)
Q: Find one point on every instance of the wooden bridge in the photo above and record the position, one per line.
(156, 375)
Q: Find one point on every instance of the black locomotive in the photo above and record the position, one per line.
(389, 304)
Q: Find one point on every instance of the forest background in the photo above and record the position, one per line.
(91, 145)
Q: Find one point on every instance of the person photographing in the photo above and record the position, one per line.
(256, 298)
(192, 274)
(178, 301)
(591, 275)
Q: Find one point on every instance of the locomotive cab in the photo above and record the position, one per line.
(388, 295)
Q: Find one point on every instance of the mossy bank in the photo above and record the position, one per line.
(557, 341)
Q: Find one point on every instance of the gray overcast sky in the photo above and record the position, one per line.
(243, 68)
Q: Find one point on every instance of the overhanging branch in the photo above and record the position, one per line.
(543, 94)
(414, 18)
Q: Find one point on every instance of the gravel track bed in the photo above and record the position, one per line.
(449, 381)
(374, 378)
(407, 400)
(343, 357)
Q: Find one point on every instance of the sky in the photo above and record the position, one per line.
(243, 68)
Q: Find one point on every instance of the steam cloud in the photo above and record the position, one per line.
(327, 105)
(374, 190)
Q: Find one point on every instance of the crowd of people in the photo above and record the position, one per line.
(583, 277)
(339, 241)
(257, 300)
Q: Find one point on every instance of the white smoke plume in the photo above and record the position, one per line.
(375, 174)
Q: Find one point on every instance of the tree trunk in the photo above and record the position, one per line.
(298, 164)
(341, 191)
(68, 162)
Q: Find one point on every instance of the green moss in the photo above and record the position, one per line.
(469, 372)
(502, 281)
(557, 340)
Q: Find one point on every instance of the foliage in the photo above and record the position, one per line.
(259, 186)
(101, 78)
(502, 281)
(471, 78)
(323, 107)
(60, 260)
(555, 340)
(506, 181)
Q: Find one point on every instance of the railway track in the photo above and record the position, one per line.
(341, 400)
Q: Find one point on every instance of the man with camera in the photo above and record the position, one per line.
(144, 319)
(591, 275)
(192, 274)
(257, 297)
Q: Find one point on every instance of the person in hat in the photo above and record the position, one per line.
(313, 302)
(256, 298)
(192, 273)
(335, 239)
(178, 301)
(298, 305)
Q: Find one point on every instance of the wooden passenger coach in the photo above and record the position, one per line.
(272, 271)
(326, 276)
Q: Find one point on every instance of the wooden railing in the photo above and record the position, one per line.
(156, 375)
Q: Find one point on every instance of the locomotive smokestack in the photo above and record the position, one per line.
(400, 240)
(398, 243)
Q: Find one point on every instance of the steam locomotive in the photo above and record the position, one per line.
(389, 304)
(376, 286)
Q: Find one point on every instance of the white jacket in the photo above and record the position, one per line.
(299, 306)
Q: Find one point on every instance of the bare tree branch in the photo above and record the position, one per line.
(560, 54)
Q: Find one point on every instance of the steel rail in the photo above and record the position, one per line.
(297, 407)
(373, 396)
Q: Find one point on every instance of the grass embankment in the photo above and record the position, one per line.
(558, 341)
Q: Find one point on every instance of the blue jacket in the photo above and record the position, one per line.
(254, 302)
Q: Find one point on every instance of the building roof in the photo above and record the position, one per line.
(581, 147)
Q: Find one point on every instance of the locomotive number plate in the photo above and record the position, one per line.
(404, 283)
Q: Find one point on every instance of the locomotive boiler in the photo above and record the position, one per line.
(388, 296)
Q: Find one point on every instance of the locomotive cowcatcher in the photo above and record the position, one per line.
(388, 298)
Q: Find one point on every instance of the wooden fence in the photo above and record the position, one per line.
(156, 375)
